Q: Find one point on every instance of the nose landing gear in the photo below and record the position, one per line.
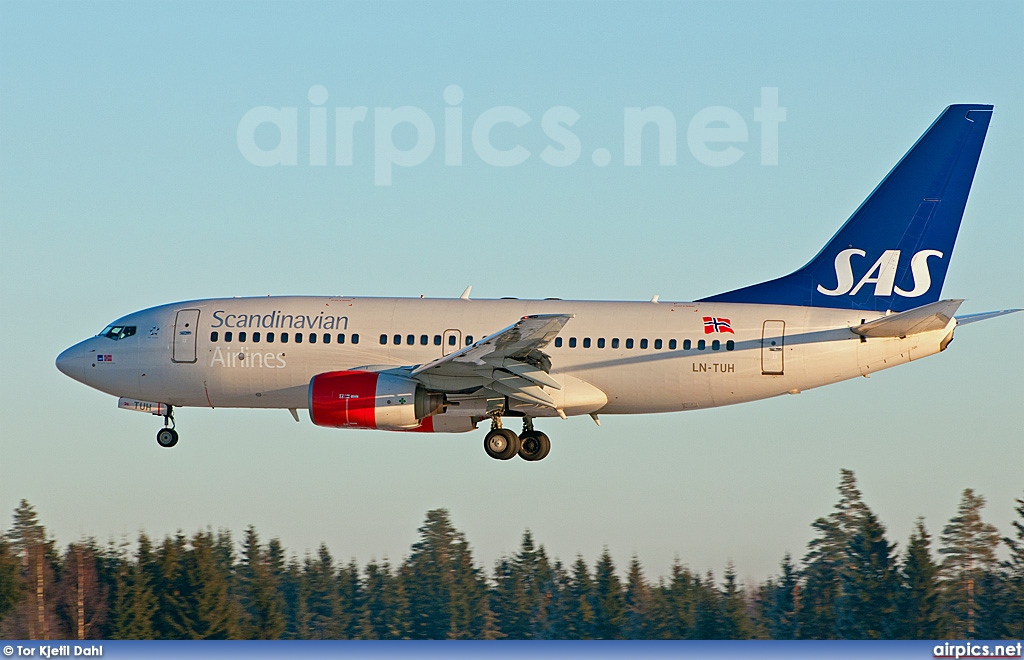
(167, 436)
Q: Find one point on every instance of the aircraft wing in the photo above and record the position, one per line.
(509, 362)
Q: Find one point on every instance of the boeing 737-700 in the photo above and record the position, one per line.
(868, 301)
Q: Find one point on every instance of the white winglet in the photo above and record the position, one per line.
(465, 294)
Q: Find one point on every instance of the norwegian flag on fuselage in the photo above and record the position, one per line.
(715, 324)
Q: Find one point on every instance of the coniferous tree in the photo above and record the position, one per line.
(35, 617)
(208, 611)
(639, 600)
(82, 598)
(321, 595)
(579, 611)
(708, 621)
(523, 591)
(12, 586)
(736, 623)
(350, 593)
(781, 600)
(680, 603)
(559, 601)
(447, 594)
(969, 546)
(293, 590)
(824, 610)
(919, 606)
(167, 568)
(609, 605)
(262, 599)
(1015, 576)
(869, 582)
(385, 610)
(133, 602)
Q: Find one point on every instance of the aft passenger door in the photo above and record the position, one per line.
(186, 327)
(773, 340)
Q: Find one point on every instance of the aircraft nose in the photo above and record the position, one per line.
(71, 362)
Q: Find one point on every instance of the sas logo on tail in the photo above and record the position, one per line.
(882, 274)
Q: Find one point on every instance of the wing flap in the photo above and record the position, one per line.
(509, 362)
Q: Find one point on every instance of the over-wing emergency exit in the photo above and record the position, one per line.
(869, 300)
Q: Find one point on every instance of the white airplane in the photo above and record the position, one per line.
(868, 301)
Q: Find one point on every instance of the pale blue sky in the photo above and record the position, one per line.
(122, 187)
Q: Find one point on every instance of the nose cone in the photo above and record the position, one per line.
(72, 362)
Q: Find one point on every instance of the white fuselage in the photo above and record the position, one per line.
(611, 357)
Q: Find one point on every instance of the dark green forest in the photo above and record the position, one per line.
(852, 583)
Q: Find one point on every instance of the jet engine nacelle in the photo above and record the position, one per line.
(368, 400)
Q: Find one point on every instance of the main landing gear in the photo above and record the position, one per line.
(167, 436)
(503, 444)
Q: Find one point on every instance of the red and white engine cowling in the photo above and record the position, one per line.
(368, 400)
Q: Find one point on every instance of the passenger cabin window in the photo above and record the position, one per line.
(256, 337)
(615, 342)
(643, 343)
(715, 345)
(686, 344)
(383, 340)
(672, 344)
(398, 340)
(629, 343)
(298, 337)
(730, 345)
(701, 344)
(355, 337)
(284, 337)
(437, 340)
(270, 337)
(116, 332)
(586, 342)
(227, 336)
(213, 336)
(600, 342)
(312, 338)
(572, 342)
(451, 340)
(241, 336)
(657, 344)
(558, 342)
(410, 340)
(469, 340)
(424, 340)
(327, 338)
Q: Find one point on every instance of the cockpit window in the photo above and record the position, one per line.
(116, 332)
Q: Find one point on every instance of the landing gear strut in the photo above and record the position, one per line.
(534, 445)
(500, 443)
(167, 436)
(503, 444)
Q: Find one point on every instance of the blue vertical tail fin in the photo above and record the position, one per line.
(893, 252)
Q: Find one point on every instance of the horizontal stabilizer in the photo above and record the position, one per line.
(972, 318)
(922, 319)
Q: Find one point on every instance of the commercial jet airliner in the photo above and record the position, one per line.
(868, 301)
